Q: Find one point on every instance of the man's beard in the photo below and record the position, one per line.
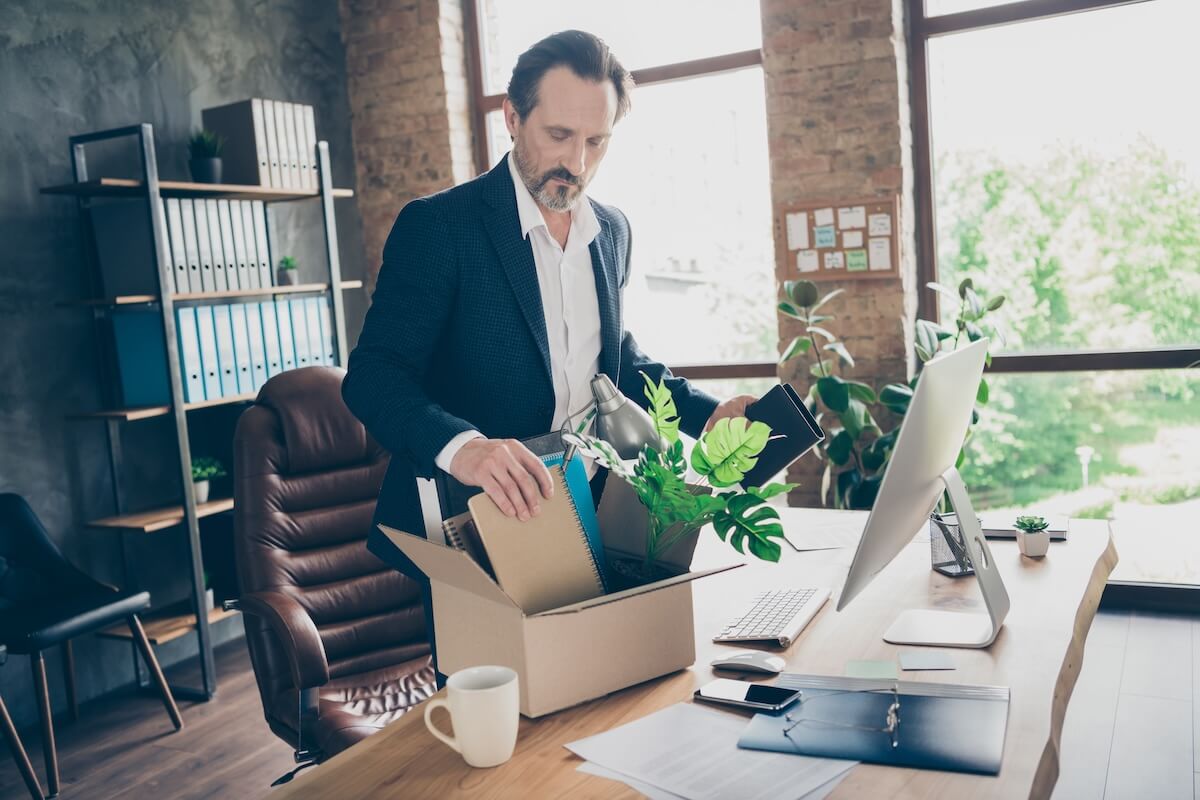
(556, 198)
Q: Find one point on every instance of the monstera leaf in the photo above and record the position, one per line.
(729, 450)
(748, 519)
(662, 409)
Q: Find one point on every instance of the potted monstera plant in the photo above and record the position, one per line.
(721, 457)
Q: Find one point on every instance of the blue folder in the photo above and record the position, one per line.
(941, 726)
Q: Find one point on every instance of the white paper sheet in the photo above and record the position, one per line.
(880, 225)
(692, 752)
(806, 261)
(835, 260)
(655, 793)
(797, 231)
(852, 217)
(823, 216)
(879, 253)
(825, 537)
(852, 239)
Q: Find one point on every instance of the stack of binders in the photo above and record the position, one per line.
(267, 143)
(225, 350)
(214, 245)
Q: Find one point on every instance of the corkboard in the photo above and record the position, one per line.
(843, 240)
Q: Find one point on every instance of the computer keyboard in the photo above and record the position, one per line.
(775, 616)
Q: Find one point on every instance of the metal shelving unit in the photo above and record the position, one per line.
(188, 514)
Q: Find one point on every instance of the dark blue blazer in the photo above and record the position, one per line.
(455, 337)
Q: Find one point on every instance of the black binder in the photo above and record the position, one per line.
(790, 419)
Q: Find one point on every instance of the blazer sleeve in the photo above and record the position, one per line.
(695, 406)
(410, 309)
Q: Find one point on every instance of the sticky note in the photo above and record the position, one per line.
(852, 217)
(834, 260)
(880, 254)
(806, 261)
(823, 216)
(852, 239)
(825, 235)
(880, 225)
(856, 260)
(797, 231)
(880, 670)
(925, 659)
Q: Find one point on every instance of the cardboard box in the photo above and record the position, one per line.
(568, 655)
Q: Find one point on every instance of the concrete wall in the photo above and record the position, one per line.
(70, 67)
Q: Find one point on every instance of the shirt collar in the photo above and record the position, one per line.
(583, 218)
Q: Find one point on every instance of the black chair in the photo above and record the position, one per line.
(44, 601)
(14, 743)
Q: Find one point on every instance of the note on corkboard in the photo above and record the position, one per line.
(843, 240)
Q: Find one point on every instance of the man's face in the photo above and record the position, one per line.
(559, 146)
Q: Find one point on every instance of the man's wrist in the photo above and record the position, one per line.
(447, 454)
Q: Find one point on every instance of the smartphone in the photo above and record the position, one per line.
(743, 694)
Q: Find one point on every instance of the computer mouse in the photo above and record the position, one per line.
(750, 661)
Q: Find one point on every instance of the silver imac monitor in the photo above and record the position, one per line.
(921, 468)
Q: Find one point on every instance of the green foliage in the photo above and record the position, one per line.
(858, 450)
(1031, 524)
(205, 144)
(287, 262)
(205, 468)
(722, 456)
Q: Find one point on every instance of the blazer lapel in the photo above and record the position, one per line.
(516, 254)
(608, 295)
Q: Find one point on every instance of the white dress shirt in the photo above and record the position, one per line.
(570, 305)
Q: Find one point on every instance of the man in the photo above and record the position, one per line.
(499, 299)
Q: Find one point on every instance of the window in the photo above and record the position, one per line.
(1065, 174)
(688, 166)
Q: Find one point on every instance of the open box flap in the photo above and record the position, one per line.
(448, 565)
(645, 588)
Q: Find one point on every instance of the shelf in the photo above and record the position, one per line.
(221, 401)
(124, 414)
(160, 630)
(160, 518)
(268, 291)
(130, 187)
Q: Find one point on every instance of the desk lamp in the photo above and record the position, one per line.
(621, 423)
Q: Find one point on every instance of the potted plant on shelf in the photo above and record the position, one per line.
(676, 508)
(204, 152)
(1033, 536)
(204, 469)
(287, 274)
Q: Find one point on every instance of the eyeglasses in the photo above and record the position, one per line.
(891, 724)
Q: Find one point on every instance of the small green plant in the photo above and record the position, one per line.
(205, 144)
(722, 456)
(1031, 524)
(205, 468)
(287, 262)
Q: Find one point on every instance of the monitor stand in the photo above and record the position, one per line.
(959, 628)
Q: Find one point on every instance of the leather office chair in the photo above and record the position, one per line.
(45, 601)
(336, 637)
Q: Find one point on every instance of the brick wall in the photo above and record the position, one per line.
(409, 101)
(837, 117)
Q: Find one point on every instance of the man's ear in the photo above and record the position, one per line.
(511, 118)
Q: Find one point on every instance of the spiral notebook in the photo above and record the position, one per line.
(546, 562)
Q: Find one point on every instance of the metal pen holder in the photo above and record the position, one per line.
(947, 549)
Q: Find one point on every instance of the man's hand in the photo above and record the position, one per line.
(507, 471)
(733, 407)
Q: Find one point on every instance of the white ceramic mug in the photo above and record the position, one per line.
(484, 707)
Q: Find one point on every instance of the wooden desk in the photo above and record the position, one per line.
(1037, 654)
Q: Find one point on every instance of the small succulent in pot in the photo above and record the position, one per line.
(287, 272)
(1033, 535)
(205, 469)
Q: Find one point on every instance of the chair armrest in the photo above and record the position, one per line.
(288, 620)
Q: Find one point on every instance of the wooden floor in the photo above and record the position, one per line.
(123, 745)
(1132, 728)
